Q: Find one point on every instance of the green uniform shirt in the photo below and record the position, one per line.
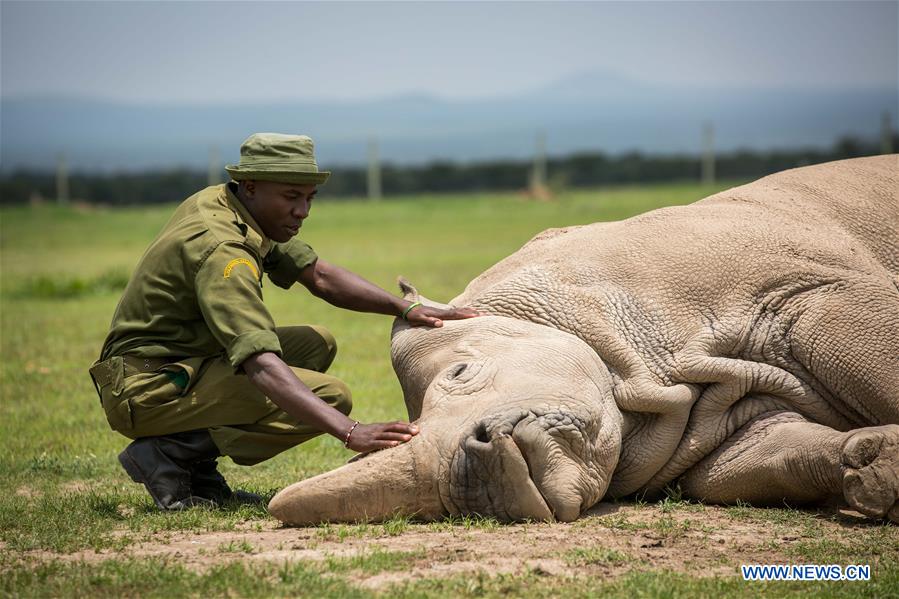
(197, 290)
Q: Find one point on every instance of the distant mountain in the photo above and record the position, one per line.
(588, 112)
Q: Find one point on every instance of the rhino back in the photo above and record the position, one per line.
(721, 256)
(859, 195)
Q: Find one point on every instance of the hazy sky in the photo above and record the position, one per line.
(222, 52)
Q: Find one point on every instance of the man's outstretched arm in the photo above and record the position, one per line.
(345, 289)
(279, 383)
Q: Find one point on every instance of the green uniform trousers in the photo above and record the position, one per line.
(205, 393)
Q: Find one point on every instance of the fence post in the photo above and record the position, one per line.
(374, 171)
(886, 134)
(538, 171)
(62, 179)
(708, 154)
(214, 172)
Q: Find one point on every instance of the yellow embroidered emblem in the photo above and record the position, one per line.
(237, 261)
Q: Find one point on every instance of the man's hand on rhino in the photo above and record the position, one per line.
(422, 315)
(380, 435)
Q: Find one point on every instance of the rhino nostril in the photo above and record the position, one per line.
(480, 433)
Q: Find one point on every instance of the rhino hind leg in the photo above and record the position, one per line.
(775, 457)
(780, 457)
(870, 460)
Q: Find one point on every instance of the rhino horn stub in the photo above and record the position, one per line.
(384, 484)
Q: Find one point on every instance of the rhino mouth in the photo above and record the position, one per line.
(516, 469)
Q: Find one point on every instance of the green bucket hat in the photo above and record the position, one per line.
(278, 157)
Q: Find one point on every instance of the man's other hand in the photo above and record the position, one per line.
(434, 317)
(380, 435)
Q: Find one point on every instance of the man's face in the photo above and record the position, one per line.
(279, 208)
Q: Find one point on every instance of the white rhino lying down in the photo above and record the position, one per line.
(745, 347)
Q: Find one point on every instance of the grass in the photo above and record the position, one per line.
(233, 546)
(67, 521)
(466, 522)
(61, 272)
(665, 526)
(373, 562)
(877, 543)
(68, 287)
(155, 577)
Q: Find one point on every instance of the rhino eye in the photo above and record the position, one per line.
(459, 369)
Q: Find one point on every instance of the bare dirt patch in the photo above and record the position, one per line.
(28, 492)
(611, 540)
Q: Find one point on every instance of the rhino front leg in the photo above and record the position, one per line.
(781, 457)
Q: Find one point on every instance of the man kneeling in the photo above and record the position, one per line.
(194, 368)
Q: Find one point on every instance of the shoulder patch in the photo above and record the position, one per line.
(237, 261)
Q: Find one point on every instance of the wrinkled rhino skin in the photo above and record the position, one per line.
(745, 347)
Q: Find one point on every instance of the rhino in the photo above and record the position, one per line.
(744, 348)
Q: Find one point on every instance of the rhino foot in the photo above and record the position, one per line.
(870, 459)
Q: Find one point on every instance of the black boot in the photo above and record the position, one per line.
(163, 466)
(207, 482)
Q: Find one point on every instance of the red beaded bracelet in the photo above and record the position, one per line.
(346, 442)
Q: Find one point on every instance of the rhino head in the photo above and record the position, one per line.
(517, 421)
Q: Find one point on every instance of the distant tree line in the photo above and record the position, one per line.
(584, 169)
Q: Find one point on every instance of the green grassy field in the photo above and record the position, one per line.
(72, 523)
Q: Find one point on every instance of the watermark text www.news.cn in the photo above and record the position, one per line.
(805, 572)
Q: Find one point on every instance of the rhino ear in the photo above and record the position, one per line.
(408, 289)
(410, 293)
